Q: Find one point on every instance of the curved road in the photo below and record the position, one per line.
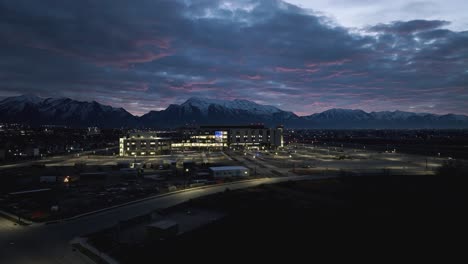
(50, 243)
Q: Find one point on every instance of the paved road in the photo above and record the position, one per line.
(50, 243)
(55, 159)
(325, 161)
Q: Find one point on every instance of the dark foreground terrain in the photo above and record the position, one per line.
(309, 218)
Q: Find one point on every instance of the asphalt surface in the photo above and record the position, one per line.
(50, 243)
(323, 161)
(57, 160)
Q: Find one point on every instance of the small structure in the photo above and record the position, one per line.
(188, 167)
(154, 177)
(2, 154)
(203, 175)
(229, 171)
(123, 164)
(162, 229)
(94, 177)
(48, 179)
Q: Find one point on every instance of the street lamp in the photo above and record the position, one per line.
(255, 168)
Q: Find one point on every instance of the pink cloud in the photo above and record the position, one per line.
(297, 70)
(162, 43)
(142, 87)
(122, 60)
(126, 60)
(195, 86)
(344, 73)
(328, 63)
(138, 51)
(252, 77)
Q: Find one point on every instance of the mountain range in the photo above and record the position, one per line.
(36, 111)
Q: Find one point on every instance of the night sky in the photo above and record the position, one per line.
(301, 56)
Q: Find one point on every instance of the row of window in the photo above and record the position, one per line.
(143, 153)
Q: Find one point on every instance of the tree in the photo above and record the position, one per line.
(453, 168)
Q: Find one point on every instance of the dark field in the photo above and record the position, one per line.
(427, 142)
(306, 219)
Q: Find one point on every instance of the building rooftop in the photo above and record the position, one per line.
(163, 224)
(224, 168)
(253, 126)
(145, 135)
(31, 191)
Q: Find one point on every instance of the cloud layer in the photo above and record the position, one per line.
(146, 55)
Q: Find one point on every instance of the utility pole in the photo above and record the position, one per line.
(255, 164)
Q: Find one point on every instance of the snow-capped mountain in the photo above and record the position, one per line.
(19, 103)
(203, 104)
(340, 114)
(394, 115)
(214, 111)
(350, 119)
(34, 110)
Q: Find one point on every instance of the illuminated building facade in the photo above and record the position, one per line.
(144, 144)
(204, 137)
(256, 136)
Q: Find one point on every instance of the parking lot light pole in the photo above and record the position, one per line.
(255, 168)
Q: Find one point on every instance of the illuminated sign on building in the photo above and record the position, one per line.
(218, 136)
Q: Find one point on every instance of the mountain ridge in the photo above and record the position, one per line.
(34, 110)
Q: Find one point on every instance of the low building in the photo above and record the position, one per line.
(203, 137)
(219, 137)
(229, 171)
(93, 131)
(2, 154)
(144, 144)
(48, 179)
(162, 229)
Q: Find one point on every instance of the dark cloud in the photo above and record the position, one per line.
(148, 54)
(408, 27)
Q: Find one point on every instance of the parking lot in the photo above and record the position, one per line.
(310, 159)
(109, 180)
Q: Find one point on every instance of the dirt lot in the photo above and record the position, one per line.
(301, 219)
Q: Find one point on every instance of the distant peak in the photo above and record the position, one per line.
(239, 104)
(342, 110)
(202, 100)
(30, 98)
(196, 98)
(243, 100)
